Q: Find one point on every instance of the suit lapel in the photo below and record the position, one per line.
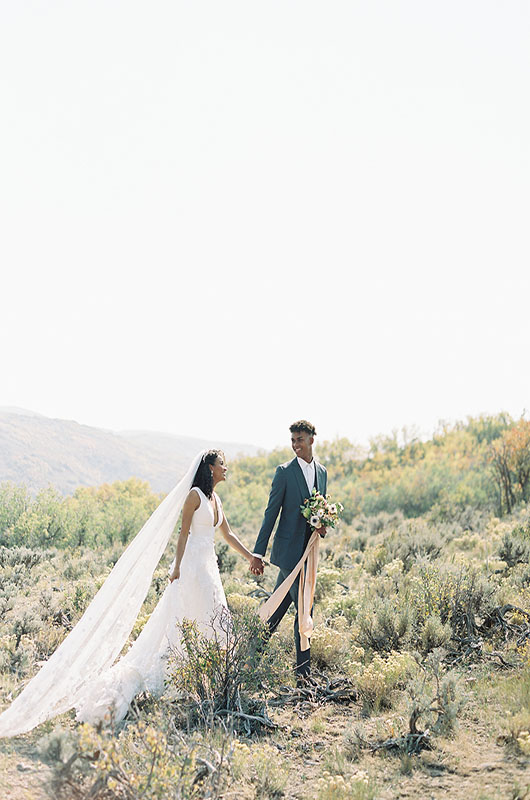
(302, 485)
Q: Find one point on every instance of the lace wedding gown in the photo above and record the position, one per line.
(197, 595)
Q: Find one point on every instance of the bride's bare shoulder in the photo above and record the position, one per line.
(193, 500)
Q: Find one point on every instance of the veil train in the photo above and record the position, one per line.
(97, 639)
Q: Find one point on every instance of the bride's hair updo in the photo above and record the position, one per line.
(203, 477)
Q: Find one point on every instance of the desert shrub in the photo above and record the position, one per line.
(25, 623)
(259, 765)
(384, 625)
(226, 558)
(375, 558)
(19, 661)
(514, 692)
(354, 786)
(241, 603)
(378, 682)
(345, 560)
(7, 601)
(357, 542)
(434, 634)
(371, 526)
(450, 703)
(515, 546)
(435, 697)
(467, 518)
(17, 575)
(459, 598)
(218, 674)
(327, 580)
(347, 606)
(46, 641)
(521, 578)
(329, 647)
(111, 513)
(77, 598)
(269, 775)
(145, 761)
(73, 570)
(59, 745)
(412, 541)
(468, 541)
(11, 556)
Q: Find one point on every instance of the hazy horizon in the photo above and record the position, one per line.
(402, 432)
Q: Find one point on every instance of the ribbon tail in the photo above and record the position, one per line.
(267, 609)
(306, 594)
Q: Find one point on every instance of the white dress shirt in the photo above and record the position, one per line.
(308, 472)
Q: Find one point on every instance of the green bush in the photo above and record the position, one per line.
(515, 546)
(384, 625)
(219, 673)
(434, 634)
(226, 558)
(412, 541)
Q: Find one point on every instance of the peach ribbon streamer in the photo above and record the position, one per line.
(306, 591)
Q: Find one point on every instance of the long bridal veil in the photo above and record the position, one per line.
(97, 639)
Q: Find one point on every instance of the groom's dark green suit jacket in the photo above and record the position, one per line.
(288, 492)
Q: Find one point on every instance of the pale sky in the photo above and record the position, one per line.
(218, 217)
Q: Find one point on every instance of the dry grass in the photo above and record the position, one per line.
(482, 759)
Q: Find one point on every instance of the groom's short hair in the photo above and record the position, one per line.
(303, 426)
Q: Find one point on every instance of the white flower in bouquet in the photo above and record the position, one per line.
(319, 512)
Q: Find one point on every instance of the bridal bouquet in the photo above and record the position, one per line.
(319, 512)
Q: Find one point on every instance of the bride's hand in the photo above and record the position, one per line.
(256, 565)
(175, 574)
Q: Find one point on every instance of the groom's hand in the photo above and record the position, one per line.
(322, 531)
(256, 565)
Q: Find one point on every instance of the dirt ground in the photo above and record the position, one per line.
(475, 764)
(22, 772)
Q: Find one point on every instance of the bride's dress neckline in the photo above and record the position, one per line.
(217, 504)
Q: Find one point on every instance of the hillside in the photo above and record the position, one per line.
(420, 654)
(38, 451)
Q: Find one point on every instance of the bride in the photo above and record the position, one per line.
(81, 674)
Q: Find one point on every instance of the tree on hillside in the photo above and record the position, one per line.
(510, 460)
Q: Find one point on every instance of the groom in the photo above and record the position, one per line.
(292, 484)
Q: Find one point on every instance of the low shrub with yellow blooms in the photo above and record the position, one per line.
(523, 741)
(378, 681)
(356, 786)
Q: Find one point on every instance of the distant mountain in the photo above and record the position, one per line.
(38, 451)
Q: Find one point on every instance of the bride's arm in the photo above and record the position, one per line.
(191, 504)
(233, 540)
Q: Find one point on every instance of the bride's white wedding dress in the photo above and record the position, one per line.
(197, 595)
(80, 673)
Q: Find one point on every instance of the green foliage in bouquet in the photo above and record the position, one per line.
(320, 512)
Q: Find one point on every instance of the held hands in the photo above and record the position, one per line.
(256, 565)
(322, 531)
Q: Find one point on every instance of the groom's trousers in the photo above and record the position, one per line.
(303, 657)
